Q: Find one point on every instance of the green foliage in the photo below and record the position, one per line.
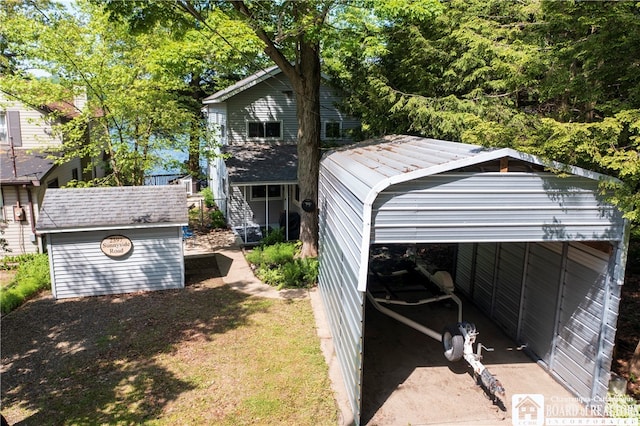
(273, 236)
(143, 90)
(207, 194)
(217, 219)
(31, 277)
(272, 255)
(279, 265)
(12, 262)
(4, 244)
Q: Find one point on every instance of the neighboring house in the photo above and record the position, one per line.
(255, 123)
(26, 169)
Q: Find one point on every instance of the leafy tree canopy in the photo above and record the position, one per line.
(143, 89)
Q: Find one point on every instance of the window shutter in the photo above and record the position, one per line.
(13, 126)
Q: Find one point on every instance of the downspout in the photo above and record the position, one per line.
(32, 218)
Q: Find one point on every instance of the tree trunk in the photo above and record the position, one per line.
(304, 76)
(634, 364)
(307, 88)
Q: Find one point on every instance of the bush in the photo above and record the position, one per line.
(32, 276)
(278, 265)
(217, 219)
(273, 237)
(207, 194)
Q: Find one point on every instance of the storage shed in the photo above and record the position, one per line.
(114, 240)
(541, 253)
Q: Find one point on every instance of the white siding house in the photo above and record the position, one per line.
(254, 122)
(26, 170)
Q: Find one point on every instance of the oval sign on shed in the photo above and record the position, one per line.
(116, 245)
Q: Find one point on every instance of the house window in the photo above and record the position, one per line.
(3, 127)
(53, 183)
(74, 174)
(332, 130)
(260, 192)
(264, 129)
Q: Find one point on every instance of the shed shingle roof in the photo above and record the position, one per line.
(112, 207)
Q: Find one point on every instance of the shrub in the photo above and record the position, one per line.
(207, 194)
(278, 265)
(273, 237)
(32, 276)
(217, 219)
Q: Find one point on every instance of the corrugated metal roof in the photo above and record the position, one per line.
(371, 166)
(112, 207)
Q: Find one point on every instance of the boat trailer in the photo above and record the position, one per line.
(457, 339)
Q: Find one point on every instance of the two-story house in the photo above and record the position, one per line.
(254, 121)
(27, 170)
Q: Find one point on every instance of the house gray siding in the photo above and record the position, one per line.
(80, 268)
(266, 101)
(274, 100)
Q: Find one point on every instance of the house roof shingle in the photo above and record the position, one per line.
(30, 166)
(112, 207)
(262, 163)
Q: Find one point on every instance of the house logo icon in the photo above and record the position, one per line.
(527, 409)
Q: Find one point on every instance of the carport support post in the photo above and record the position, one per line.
(563, 272)
(615, 279)
(525, 268)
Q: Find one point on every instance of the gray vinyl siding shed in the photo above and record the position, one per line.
(542, 254)
(78, 221)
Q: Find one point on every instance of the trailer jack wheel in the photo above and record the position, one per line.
(452, 343)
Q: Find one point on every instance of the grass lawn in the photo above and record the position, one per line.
(205, 355)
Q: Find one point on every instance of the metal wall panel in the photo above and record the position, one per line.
(505, 309)
(465, 262)
(580, 318)
(468, 207)
(540, 298)
(340, 239)
(483, 283)
(80, 268)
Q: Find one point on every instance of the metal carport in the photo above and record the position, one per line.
(498, 204)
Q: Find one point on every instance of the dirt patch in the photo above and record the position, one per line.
(209, 241)
(6, 277)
